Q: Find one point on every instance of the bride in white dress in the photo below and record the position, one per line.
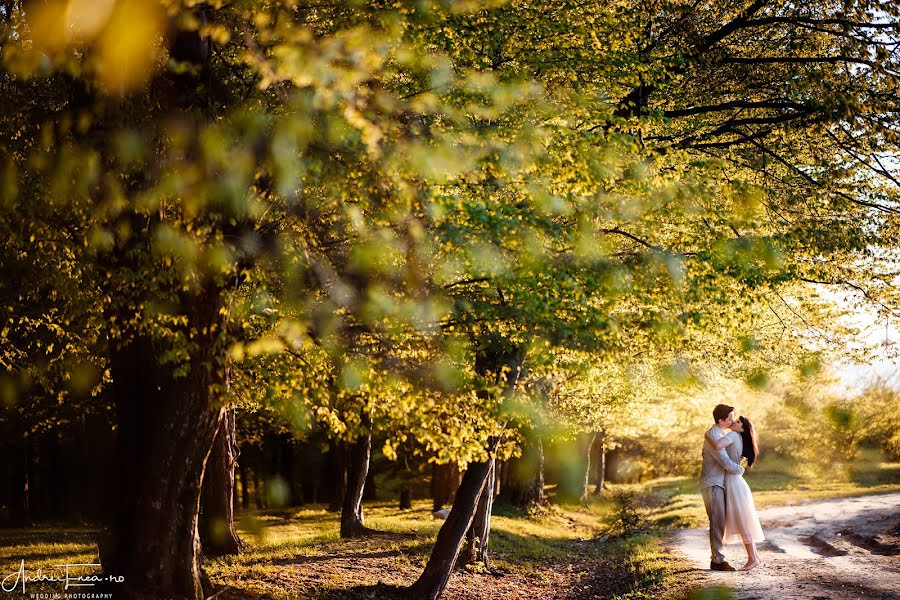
(741, 520)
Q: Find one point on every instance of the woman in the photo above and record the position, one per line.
(741, 520)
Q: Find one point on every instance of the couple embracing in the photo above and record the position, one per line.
(729, 502)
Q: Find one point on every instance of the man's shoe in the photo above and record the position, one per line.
(722, 566)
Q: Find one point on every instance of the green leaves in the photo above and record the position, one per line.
(372, 195)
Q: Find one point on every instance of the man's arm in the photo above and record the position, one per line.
(725, 462)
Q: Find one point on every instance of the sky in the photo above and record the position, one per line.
(878, 334)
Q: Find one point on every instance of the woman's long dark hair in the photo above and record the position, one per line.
(751, 442)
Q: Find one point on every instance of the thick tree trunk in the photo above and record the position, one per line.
(433, 580)
(217, 532)
(600, 463)
(524, 485)
(479, 532)
(351, 512)
(444, 482)
(166, 415)
(494, 358)
(166, 427)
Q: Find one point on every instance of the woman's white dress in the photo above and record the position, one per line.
(741, 521)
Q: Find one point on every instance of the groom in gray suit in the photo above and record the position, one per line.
(712, 483)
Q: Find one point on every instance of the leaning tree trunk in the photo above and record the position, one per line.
(433, 580)
(600, 463)
(479, 532)
(166, 427)
(352, 523)
(495, 357)
(217, 533)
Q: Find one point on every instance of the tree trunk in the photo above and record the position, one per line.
(166, 428)
(433, 580)
(571, 456)
(217, 532)
(351, 512)
(524, 486)
(80, 465)
(334, 469)
(289, 472)
(32, 500)
(585, 492)
(258, 488)
(405, 498)
(21, 501)
(444, 482)
(479, 532)
(494, 357)
(370, 491)
(166, 414)
(245, 486)
(600, 463)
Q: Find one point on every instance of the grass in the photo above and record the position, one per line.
(522, 546)
(561, 551)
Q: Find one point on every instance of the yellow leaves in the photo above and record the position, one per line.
(100, 239)
(265, 345)
(262, 19)
(216, 32)
(126, 47)
(371, 134)
(123, 36)
(389, 450)
(84, 19)
(236, 352)
(47, 21)
(169, 241)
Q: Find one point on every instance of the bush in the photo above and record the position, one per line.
(624, 519)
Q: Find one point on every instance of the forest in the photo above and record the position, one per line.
(473, 264)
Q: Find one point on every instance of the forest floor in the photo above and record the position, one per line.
(563, 551)
(823, 550)
(559, 552)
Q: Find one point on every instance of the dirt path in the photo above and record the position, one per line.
(831, 549)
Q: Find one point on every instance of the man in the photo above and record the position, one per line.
(712, 483)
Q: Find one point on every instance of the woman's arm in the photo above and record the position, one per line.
(720, 443)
